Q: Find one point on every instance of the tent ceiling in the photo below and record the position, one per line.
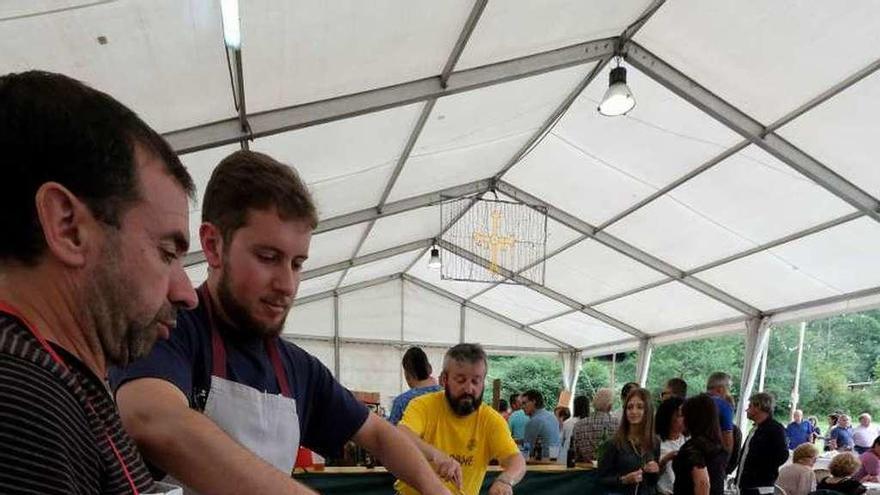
(744, 183)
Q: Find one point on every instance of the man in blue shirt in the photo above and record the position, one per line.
(718, 387)
(542, 423)
(417, 373)
(518, 419)
(798, 431)
(223, 405)
(842, 435)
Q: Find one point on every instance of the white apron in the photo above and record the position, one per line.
(266, 424)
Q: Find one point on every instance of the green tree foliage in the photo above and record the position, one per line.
(838, 351)
(519, 374)
(695, 360)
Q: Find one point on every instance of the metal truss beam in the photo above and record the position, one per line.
(238, 94)
(545, 291)
(463, 37)
(488, 312)
(404, 205)
(818, 100)
(551, 121)
(742, 254)
(777, 316)
(320, 112)
(562, 248)
(368, 258)
(369, 214)
(628, 250)
(366, 284)
(713, 105)
(295, 338)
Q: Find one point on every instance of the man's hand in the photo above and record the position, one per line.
(499, 487)
(448, 469)
(652, 467)
(632, 478)
(668, 457)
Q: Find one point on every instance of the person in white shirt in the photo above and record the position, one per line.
(864, 434)
(669, 425)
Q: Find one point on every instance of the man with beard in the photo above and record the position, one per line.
(225, 403)
(90, 196)
(457, 433)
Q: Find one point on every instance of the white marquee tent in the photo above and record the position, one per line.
(742, 190)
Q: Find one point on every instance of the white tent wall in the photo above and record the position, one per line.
(686, 218)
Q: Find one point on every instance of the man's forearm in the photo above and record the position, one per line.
(514, 467)
(399, 454)
(192, 448)
(430, 452)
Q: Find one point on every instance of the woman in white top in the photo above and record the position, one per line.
(581, 411)
(669, 424)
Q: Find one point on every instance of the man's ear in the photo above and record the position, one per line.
(212, 244)
(443, 379)
(69, 227)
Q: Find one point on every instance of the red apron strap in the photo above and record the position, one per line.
(218, 350)
(280, 375)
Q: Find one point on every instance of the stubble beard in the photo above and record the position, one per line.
(238, 313)
(124, 333)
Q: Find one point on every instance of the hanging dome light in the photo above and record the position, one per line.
(618, 99)
(434, 262)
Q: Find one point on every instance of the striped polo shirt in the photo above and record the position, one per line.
(55, 422)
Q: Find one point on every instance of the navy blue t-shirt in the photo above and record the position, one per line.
(329, 415)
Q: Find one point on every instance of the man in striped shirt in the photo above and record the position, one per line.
(94, 224)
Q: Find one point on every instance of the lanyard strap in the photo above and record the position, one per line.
(7, 308)
(218, 349)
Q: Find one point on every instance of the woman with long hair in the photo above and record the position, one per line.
(629, 463)
(700, 463)
(669, 424)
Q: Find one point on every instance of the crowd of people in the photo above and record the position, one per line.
(690, 444)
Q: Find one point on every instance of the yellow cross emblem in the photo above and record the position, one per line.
(494, 241)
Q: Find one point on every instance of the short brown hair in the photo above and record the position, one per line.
(804, 451)
(844, 464)
(248, 180)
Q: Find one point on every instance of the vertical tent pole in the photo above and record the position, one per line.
(401, 378)
(572, 363)
(461, 319)
(613, 366)
(795, 391)
(336, 338)
(646, 350)
(757, 333)
(763, 369)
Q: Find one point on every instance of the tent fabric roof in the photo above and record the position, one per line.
(743, 185)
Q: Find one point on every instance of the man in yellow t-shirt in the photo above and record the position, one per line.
(457, 433)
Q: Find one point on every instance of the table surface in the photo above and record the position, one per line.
(531, 467)
(549, 479)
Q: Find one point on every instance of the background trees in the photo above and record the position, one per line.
(838, 352)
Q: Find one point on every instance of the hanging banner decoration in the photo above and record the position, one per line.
(506, 236)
